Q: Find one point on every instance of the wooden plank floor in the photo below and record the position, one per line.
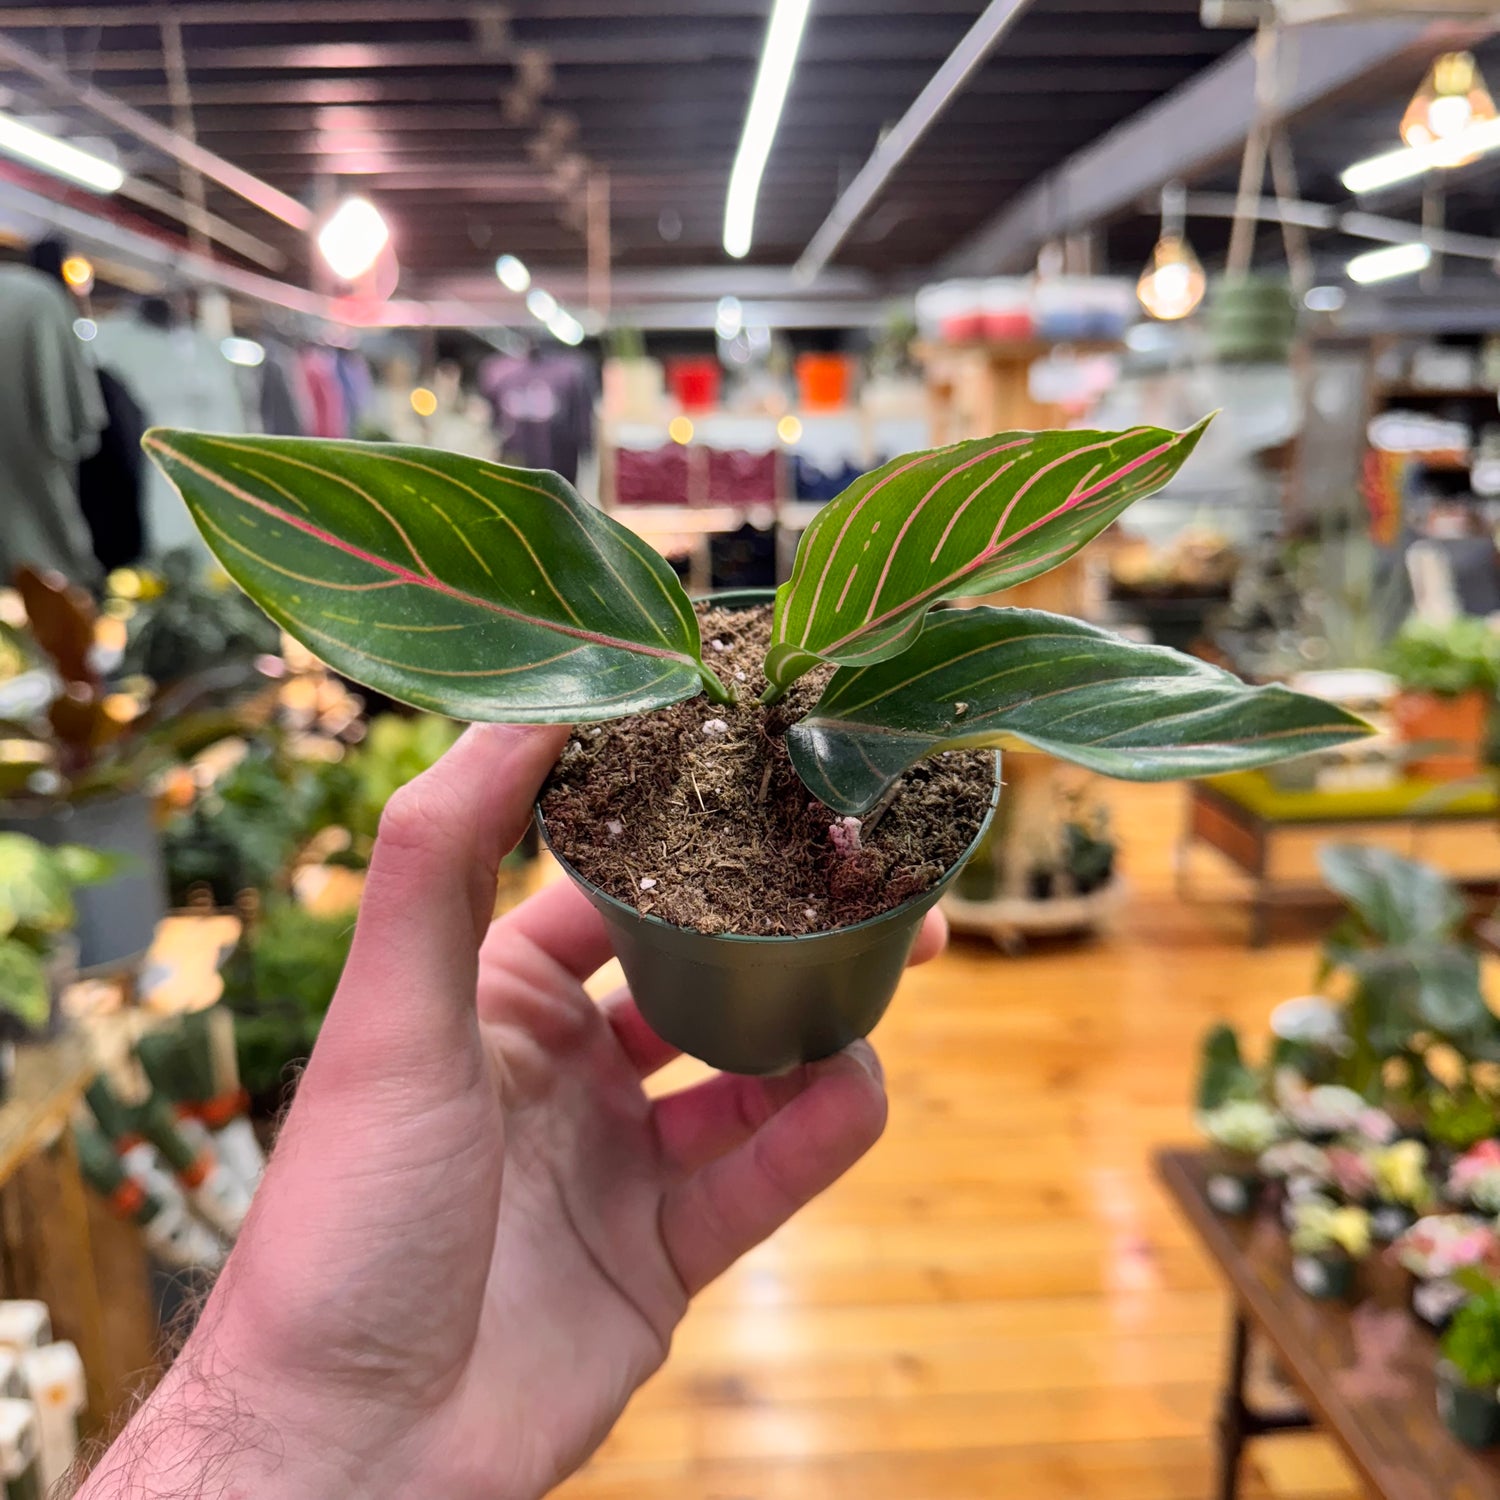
(998, 1301)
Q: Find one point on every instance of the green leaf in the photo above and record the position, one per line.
(23, 984)
(1026, 679)
(1222, 1072)
(81, 865)
(971, 518)
(35, 892)
(1399, 900)
(453, 584)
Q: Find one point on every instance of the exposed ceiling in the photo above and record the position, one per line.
(476, 126)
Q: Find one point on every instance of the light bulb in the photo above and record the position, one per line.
(351, 241)
(1173, 283)
(1451, 101)
(541, 305)
(78, 272)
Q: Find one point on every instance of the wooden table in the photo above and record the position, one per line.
(1273, 836)
(1365, 1373)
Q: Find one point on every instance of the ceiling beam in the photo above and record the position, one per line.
(1198, 125)
(896, 144)
(159, 137)
(670, 45)
(705, 85)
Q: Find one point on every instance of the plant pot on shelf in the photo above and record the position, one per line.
(761, 1005)
(1450, 732)
(1328, 1277)
(1389, 1221)
(116, 920)
(1435, 1300)
(1233, 1185)
(1470, 1413)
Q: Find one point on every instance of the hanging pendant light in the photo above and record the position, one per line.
(1173, 283)
(1452, 100)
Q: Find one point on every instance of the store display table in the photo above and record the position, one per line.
(1364, 1372)
(1273, 836)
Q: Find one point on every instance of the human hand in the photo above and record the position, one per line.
(477, 1233)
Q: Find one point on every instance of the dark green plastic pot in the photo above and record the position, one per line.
(116, 920)
(759, 1005)
(1328, 1277)
(1470, 1413)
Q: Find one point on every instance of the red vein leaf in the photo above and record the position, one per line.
(975, 517)
(477, 590)
(1022, 678)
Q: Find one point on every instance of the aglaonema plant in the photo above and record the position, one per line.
(494, 593)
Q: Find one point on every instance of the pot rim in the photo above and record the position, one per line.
(626, 910)
(762, 596)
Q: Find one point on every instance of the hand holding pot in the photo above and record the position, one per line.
(477, 1233)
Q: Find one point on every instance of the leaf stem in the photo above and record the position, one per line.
(774, 691)
(714, 686)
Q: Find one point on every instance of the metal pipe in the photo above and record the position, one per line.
(949, 79)
(245, 185)
(208, 224)
(1359, 225)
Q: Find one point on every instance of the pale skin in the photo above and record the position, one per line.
(477, 1233)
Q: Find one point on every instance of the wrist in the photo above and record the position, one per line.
(214, 1431)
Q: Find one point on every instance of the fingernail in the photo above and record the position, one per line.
(866, 1056)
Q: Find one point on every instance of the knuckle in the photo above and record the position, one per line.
(420, 815)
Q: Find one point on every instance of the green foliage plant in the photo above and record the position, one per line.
(1449, 660)
(1471, 1343)
(486, 592)
(37, 882)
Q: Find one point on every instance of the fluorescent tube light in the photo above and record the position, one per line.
(1406, 162)
(783, 38)
(541, 305)
(1389, 262)
(58, 157)
(566, 328)
(514, 276)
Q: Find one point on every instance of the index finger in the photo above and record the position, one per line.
(560, 921)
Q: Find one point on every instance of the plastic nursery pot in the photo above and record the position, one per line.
(1233, 1191)
(1327, 1278)
(1389, 1221)
(116, 920)
(758, 1005)
(1470, 1413)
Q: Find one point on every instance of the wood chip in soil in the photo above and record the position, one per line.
(694, 814)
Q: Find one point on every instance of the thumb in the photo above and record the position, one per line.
(407, 991)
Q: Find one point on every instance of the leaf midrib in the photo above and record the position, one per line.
(401, 574)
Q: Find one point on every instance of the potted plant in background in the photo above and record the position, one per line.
(1448, 677)
(1468, 1374)
(38, 954)
(1402, 1189)
(789, 790)
(1239, 1125)
(1474, 1179)
(1434, 1250)
(79, 746)
(1414, 977)
(1328, 1240)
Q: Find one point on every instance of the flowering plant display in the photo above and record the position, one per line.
(1245, 1127)
(1440, 1244)
(1475, 1177)
(1321, 1227)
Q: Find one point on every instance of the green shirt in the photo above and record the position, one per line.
(51, 414)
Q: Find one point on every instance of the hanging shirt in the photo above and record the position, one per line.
(51, 414)
(180, 378)
(544, 409)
